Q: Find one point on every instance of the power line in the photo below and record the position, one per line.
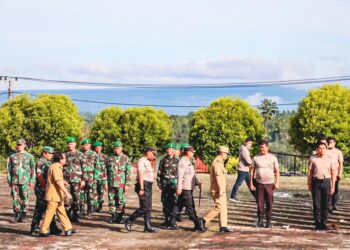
(199, 85)
(142, 105)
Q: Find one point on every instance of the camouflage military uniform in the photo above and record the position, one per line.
(119, 175)
(88, 194)
(20, 172)
(100, 175)
(73, 172)
(167, 181)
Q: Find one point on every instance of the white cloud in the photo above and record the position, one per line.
(258, 97)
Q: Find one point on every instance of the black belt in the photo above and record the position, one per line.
(321, 180)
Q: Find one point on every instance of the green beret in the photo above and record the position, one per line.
(48, 149)
(85, 141)
(21, 142)
(117, 144)
(170, 145)
(71, 139)
(97, 143)
(176, 146)
(183, 145)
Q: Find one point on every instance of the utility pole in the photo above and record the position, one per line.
(10, 91)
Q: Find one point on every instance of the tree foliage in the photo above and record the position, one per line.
(181, 127)
(135, 127)
(45, 120)
(323, 112)
(106, 127)
(226, 121)
(268, 110)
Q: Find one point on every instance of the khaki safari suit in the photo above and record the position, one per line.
(217, 186)
(55, 200)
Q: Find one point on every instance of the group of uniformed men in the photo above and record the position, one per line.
(88, 174)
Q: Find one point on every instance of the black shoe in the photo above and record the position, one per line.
(75, 218)
(127, 225)
(149, 228)
(172, 226)
(22, 217)
(318, 226)
(260, 222)
(69, 232)
(35, 232)
(17, 218)
(268, 224)
(44, 235)
(226, 230)
(54, 229)
(120, 219)
(200, 225)
(179, 218)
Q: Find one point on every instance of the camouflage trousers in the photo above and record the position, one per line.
(169, 200)
(74, 189)
(100, 192)
(117, 200)
(39, 210)
(20, 196)
(88, 195)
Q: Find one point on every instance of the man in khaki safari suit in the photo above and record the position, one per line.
(218, 190)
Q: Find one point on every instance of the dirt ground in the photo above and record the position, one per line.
(292, 225)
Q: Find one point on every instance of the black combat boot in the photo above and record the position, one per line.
(54, 229)
(225, 230)
(127, 224)
(149, 228)
(166, 221)
(172, 224)
(22, 217)
(99, 208)
(75, 217)
(260, 221)
(119, 218)
(82, 210)
(179, 218)
(268, 223)
(199, 225)
(113, 219)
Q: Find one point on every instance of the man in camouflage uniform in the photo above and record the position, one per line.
(177, 151)
(73, 172)
(88, 193)
(167, 181)
(119, 178)
(20, 177)
(100, 175)
(42, 168)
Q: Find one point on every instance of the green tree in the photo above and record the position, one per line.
(45, 120)
(143, 127)
(226, 121)
(181, 127)
(106, 127)
(135, 127)
(323, 112)
(268, 110)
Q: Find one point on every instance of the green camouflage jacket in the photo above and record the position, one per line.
(21, 168)
(90, 165)
(42, 167)
(167, 172)
(73, 169)
(100, 172)
(118, 171)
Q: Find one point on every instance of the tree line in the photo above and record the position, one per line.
(49, 119)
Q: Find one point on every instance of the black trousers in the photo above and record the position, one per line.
(169, 199)
(320, 197)
(333, 198)
(185, 200)
(145, 202)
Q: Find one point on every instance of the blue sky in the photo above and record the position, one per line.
(193, 41)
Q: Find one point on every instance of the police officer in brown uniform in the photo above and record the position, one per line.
(143, 187)
(266, 168)
(218, 190)
(338, 159)
(321, 182)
